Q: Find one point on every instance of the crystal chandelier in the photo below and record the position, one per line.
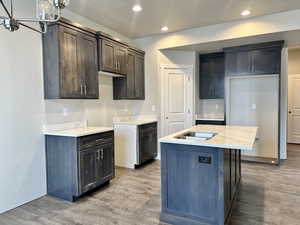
(47, 11)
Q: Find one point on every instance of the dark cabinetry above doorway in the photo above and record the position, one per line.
(256, 59)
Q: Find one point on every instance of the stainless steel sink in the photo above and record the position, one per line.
(200, 136)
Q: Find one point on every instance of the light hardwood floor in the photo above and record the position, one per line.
(269, 196)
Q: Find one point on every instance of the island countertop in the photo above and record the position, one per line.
(230, 137)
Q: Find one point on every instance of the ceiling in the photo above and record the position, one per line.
(291, 39)
(176, 14)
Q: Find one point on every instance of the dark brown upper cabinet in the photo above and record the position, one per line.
(212, 73)
(70, 62)
(133, 86)
(113, 56)
(256, 59)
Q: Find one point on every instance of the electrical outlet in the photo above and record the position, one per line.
(153, 108)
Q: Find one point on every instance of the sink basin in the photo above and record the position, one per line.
(200, 136)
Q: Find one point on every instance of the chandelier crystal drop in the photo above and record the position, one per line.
(47, 11)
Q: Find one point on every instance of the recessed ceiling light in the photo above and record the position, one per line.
(137, 8)
(246, 13)
(164, 28)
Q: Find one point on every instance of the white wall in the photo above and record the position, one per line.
(294, 61)
(22, 161)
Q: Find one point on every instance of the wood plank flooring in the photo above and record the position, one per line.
(269, 196)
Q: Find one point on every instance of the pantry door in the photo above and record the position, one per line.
(177, 98)
(294, 109)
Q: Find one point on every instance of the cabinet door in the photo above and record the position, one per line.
(70, 79)
(147, 142)
(266, 61)
(108, 56)
(130, 78)
(206, 87)
(218, 75)
(212, 73)
(88, 169)
(108, 162)
(238, 63)
(89, 66)
(139, 84)
(121, 59)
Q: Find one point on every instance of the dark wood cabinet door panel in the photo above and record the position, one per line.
(133, 86)
(147, 142)
(266, 61)
(130, 78)
(139, 77)
(108, 56)
(108, 162)
(212, 73)
(256, 59)
(70, 79)
(89, 66)
(121, 59)
(88, 169)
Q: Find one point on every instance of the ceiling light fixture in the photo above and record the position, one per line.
(137, 8)
(246, 13)
(47, 11)
(164, 28)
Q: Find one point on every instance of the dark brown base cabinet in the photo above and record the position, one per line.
(199, 184)
(78, 165)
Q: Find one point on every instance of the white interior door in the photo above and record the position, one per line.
(177, 90)
(253, 101)
(294, 109)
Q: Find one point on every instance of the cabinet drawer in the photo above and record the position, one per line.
(148, 126)
(96, 139)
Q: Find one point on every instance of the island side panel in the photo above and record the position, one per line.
(61, 164)
(192, 185)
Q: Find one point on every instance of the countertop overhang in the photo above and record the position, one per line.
(135, 122)
(229, 137)
(79, 132)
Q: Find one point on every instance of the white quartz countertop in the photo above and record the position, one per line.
(231, 137)
(79, 132)
(210, 119)
(135, 122)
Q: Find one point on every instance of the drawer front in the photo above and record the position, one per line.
(96, 139)
(210, 122)
(148, 126)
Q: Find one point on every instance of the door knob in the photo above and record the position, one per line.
(290, 112)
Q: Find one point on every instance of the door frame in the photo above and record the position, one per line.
(191, 70)
(289, 104)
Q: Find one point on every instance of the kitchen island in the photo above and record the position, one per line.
(201, 173)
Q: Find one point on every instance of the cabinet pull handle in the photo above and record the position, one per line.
(101, 153)
(85, 90)
(81, 89)
(98, 155)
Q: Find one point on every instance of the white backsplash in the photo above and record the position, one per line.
(211, 109)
